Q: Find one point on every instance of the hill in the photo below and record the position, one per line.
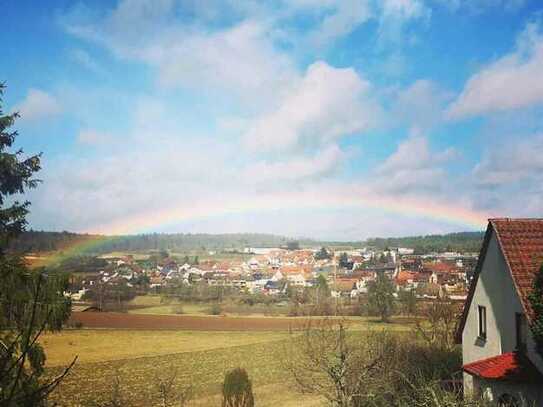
(459, 242)
(42, 241)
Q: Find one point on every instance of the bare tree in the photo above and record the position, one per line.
(324, 360)
(438, 324)
(170, 393)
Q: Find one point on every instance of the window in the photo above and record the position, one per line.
(482, 322)
(520, 330)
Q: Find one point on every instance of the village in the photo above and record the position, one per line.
(274, 271)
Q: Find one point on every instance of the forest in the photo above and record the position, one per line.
(451, 242)
(42, 241)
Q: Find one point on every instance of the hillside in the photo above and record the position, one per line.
(41, 241)
(462, 242)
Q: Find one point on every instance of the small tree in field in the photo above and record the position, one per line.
(440, 319)
(408, 301)
(237, 389)
(381, 297)
(326, 361)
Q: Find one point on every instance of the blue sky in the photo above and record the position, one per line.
(321, 118)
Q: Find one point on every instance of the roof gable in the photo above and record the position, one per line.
(521, 243)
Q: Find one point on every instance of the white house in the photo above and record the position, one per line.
(498, 349)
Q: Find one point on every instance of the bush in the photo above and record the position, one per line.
(215, 309)
(237, 389)
(374, 368)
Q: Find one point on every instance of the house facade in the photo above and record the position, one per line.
(498, 350)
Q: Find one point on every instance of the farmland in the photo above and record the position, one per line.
(196, 350)
(138, 357)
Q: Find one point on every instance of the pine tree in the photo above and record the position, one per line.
(381, 297)
(30, 301)
(237, 389)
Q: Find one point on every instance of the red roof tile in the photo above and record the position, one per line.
(521, 242)
(404, 276)
(510, 366)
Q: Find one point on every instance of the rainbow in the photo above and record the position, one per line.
(300, 200)
(309, 200)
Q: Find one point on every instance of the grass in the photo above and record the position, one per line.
(172, 309)
(145, 300)
(152, 304)
(200, 358)
(109, 344)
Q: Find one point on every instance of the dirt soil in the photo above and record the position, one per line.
(188, 322)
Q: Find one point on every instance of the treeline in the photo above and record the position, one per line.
(41, 241)
(451, 242)
(38, 241)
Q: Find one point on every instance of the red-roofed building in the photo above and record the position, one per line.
(498, 350)
(405, 279)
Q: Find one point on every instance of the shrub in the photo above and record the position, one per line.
(237, 389)
(215, 309)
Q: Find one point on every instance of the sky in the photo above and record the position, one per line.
(329, 119)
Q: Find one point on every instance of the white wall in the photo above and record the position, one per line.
(495, 291)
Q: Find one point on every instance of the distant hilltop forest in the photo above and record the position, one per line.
(41, 241)
(451, 242)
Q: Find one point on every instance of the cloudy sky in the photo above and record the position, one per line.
(333, 119)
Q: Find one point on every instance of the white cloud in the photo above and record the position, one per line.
(521, 160)
(327, 104)
(511, 82)
(421, 105)
(38, 105)
(344, 17)
(413, 167)
(297, 168)
(241, 58)
(84, 59)
(395, 15)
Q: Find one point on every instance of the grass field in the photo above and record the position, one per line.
(200, 357)
(138, 357)
(114, 344)
(153, 305)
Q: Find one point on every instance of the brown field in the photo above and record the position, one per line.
(185, 322)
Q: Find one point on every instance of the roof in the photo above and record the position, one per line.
(439, 267)
(404, 277)
(510, 366)
(521, 242)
